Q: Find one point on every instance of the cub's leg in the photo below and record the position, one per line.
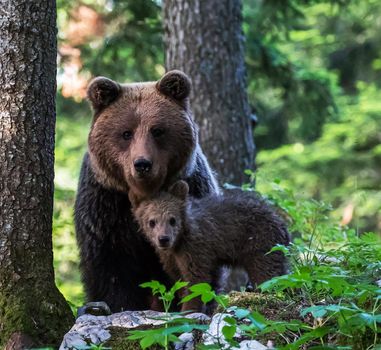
(193, 273)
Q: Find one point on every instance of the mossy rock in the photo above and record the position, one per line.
(272, 307)
(277, 309)
(119, 341)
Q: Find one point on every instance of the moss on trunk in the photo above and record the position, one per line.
(33, 316)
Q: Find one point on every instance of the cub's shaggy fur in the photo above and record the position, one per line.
(194, 238)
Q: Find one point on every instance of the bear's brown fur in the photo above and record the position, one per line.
(143, 137)
(143, 123)
(194, 238)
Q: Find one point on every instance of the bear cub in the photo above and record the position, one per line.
(194, 238)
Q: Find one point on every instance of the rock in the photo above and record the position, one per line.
(214, 336)
(186, 342)
(214, 333)
(250, 345)
(90, 329)
(96, 308)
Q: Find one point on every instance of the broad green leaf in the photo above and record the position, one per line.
(241, 313)
(229, 331)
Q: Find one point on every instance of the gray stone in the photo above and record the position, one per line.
(93, 329)
(250, 345)
(186, 342)
(90, 329)
(214, 333)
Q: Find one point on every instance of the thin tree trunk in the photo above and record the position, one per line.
(205, 40)
(32, 310)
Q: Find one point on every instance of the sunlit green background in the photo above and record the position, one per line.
(314, 70)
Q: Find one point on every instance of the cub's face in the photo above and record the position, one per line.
(162, 218)
(142, 134)
(161, 221)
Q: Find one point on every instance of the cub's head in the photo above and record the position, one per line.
(142, 134)
(162, 217)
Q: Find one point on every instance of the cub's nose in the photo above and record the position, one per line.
(142, 165)
(164, 241)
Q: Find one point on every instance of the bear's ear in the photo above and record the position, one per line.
(179, 189)
(175, 84)
(102, 91)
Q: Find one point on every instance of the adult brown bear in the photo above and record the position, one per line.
(143, 137)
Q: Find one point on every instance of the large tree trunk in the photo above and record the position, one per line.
(205, 40)
(32, 310)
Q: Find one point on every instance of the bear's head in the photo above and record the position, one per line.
(162, 218)
(143, 134)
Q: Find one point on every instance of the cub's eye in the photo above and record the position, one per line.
(172, 221)
(157, 132)
(127, 135)
(152, 223)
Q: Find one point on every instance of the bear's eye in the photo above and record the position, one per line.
(157, 132)
(152, 223)
(127, 135)
(172, 221)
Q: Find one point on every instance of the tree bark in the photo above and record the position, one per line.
(205, 40)
(32, 310)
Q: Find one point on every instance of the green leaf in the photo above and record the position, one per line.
(317, 311)
(222, 300)
(241, 313)
(156, 287)
(229, 331)
(201, 288)
(177, 286)
(146, 342)
(258, 320)
(279, 248)
(230, 320)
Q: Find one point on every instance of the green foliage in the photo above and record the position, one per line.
(205, 293)
(131, 48)
(165, 296)
(174, 324)
(292, 96)
(333, 271)
(71, 137)
(341, 167)
(295, 50)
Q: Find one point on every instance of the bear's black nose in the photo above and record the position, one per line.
(164, 241)
(142, 165)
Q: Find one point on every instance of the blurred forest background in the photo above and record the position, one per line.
(314, 69)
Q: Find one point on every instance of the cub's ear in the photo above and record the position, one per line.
(102, 91)
(179, 189)
(175, 84)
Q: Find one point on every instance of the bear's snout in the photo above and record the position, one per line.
(164, 241)
(142, 166)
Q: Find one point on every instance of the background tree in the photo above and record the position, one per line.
(32, 310)
(205, 40)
